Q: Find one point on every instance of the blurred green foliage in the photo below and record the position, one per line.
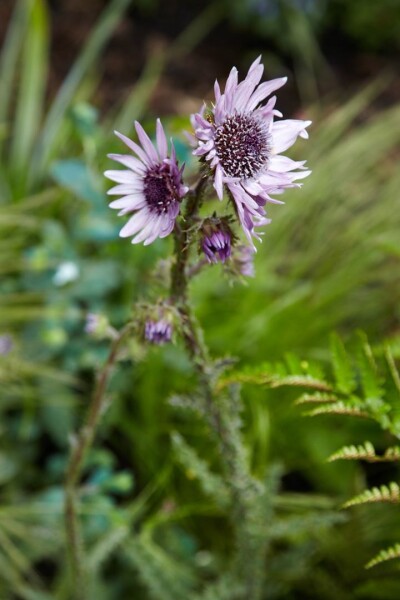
(153, 512)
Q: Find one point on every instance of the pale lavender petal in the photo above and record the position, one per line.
(286, 132)
(129, 161)
(132, 201)
(135, 223)
(161, 141)
(121, 176)
(146, 143)
(136, 149)
(283, 163)
(219, 188)
(125, 188)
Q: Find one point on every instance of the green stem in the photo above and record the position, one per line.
(79, 448)
(220, 413)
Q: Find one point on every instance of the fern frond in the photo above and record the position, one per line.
(384, 555)
(338, 408)
(366, 452)
(384, 493)
(299, 381)
(361, 452)
(317, 398)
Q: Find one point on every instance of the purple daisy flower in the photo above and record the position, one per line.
(151, 187)
(158, 332)
(241, 143)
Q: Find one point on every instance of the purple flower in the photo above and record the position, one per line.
(93, 322)
(241, 143)
(244, 261)
(216, 240)
(151, 187)
(158, 332)
(6, 344)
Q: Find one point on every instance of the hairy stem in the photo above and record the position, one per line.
(79, 448)
(222, 414)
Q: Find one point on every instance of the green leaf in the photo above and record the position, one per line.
(384, 493)
(32, 86)
(384, 555)
(90, 53)
(74, 175)
(370, 380)
(10, 51)
(341, 366)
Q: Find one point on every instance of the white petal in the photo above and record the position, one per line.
(121, 176)
(161, 141)
(219, 188)
(148, 229)
(264, 90)
(282, 164)
(132, 202)
(285, 133)
(133, 146)
(129, 161)
(124, 188)
(135, 223)
(146, 143)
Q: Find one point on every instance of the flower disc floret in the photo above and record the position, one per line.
(242, 145)
(151, 187)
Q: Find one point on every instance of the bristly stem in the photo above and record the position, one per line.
(80, 445)
(221, 413)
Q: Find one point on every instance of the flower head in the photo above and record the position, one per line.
(151, 187)
(216, 240)
(241, 143)
(158, 332)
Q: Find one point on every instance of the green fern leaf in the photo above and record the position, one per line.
(384, 555)
(361, 452)
(317, 398)
(338, 408)
(299, 381)
(366, 452)
(384, 493)
(341, 366)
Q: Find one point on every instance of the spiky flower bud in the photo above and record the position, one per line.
(217, 238)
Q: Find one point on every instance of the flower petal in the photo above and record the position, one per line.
(161, 140)
(285, 133)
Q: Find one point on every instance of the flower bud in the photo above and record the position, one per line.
(216, 242)
(158, 332)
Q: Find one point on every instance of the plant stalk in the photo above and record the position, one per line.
(221, 413)
(79, 448)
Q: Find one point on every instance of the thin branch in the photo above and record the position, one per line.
(80, 446)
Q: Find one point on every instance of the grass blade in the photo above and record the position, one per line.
(88, 56)
(32, 86)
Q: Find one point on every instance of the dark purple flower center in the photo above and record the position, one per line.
(242, 144)
(160, 189)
